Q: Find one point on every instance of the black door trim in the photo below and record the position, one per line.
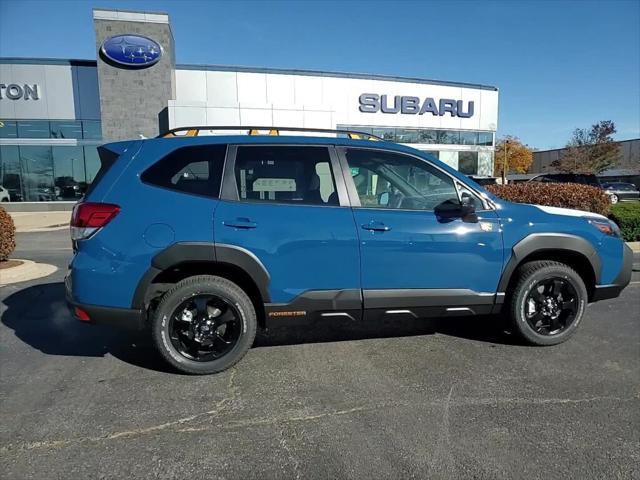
(425, 297)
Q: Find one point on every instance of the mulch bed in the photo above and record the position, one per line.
(10, 263)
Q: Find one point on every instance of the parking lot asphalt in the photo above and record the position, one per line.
(454, 398)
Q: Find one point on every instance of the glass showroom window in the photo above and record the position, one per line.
(66, 129)
(33, 129)
(91, 162)
(485, 138)
(10, 172)
(427, 136)
(385, 133)
(448, 137)
(91, 130)
(37, 173)
(69, 176)
(468, 163)
(407, 135)
(8, 129)
(468, 138)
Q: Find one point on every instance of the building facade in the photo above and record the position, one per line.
(54, 113)
(629, 157)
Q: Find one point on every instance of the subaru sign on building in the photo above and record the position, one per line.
(131, 50)
(55, 112)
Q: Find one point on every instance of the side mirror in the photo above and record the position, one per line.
(383, 199)
(466, 209)
(468, 205)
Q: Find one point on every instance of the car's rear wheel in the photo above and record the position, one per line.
(204, 324)
(614, 198)
(547, 303)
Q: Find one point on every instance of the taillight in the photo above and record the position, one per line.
(89, 217)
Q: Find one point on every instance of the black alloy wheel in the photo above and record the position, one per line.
(205, 327)
(551, 306)
(547, 302)
(204, 324)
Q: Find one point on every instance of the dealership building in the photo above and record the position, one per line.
(55, 112)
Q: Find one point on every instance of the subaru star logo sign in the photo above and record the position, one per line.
(132, 51)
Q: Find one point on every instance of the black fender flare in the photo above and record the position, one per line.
(209, 252)
(537, 242)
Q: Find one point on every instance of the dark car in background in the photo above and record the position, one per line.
(582, 179)
(621, 191)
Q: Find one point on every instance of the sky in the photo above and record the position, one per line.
(559, 65)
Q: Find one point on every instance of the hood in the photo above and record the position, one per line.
(569, 212)
(534, 213)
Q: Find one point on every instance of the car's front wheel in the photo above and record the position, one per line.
(204, 324)
(614, 198)
(547, 303)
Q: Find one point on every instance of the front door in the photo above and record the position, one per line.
(410, 256)
(287, 206)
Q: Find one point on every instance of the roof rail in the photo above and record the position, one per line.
(273, 131)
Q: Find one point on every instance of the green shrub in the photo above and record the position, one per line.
(7, 235)
(627, 216)
(564, 195)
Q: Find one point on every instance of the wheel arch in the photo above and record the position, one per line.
(186, 259)
(574, 251)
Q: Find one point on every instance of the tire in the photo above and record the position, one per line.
(195, 287)
(614, 198)
(534, 275)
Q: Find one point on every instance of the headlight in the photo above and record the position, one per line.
(605, 226)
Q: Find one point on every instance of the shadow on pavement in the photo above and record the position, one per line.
(487, 329)
(39, 317)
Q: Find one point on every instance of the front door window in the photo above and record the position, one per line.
(396, 181)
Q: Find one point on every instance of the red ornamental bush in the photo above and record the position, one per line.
(564, 195)
(7, 235)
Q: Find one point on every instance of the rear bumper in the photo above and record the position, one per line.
(125, 318)
(604, 292)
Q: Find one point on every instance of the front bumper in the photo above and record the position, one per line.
(125, 318)
(604, 292)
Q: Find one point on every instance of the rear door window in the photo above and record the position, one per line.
(285, 174)
(195, 170)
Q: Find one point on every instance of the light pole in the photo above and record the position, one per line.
(504, 164)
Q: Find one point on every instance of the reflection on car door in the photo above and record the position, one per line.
(410, 257)
(283, 205)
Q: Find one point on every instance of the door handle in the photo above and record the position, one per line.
(243, 223)
(376, 227)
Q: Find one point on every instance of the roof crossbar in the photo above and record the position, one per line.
(273, 131)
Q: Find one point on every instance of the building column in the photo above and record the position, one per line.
(134, 97)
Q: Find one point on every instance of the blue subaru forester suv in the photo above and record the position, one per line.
(204, 238)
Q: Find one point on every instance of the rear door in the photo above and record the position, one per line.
(287, 206)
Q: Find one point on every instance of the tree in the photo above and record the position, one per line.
(590, 151)
(519, 156)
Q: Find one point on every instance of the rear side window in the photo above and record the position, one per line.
(196, 170)
(298, 175)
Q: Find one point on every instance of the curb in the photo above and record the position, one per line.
(50, 228)
(28, 270)
(635, 246)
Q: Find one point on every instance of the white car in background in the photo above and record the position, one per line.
(4, 194)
